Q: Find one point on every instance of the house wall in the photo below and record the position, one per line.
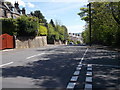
(1, 12)
(9, 15)
(15, 16)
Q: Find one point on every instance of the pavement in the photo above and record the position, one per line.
(12, 49)
(61, 67)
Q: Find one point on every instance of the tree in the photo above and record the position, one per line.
(8, 26)
(115, 8)
(42, 31)
(57, 36)
(51, 32)
(65, 32)
(105, 23)
(84, 14)
(39, 15)
(57, 32)
(27, 26)
(52, 23)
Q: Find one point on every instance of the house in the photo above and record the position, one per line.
(76, 37)
(7, 10)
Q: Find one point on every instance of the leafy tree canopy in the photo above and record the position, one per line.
(42, 31)
(105, 23)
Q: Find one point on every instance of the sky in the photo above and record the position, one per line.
(62, 11)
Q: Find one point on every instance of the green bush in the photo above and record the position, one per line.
(51, 32)
(8, 26)
(57, 36)
(57, 32)
(27, 26)
(78, 42)
(42, 31)
(62, 38)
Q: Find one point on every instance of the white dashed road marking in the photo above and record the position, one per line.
(89, 69)
(78, 68)
(79, 65)
(76, 73)
(88, 79)
(89, 74)
(71, 85)
(75, 76)
(88, 84)
(35, 55)
(88, 87)
(89, 65)
(6, 64)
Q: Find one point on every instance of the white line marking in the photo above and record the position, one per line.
(89, 74)
(85, 52)
(6, 64)
(89, 65)
(83, 56)
(88, 86)
(79, 65)
(80, 62)
(88, 79)
(74, 78)
(35, 55)
(71, 85)
(78, 68)
(76, 73)
(89, 69)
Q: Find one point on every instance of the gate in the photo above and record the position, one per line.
(6, 41)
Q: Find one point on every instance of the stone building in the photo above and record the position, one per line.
(7, 10)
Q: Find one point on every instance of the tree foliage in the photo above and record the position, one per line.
(33, 26)
(57, 32)
(52, 23)
(105, 23)
(8, 26)
(26, 26)
(39, 15)
(42, 31)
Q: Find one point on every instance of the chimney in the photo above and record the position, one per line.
(23, 11)
(16, 5)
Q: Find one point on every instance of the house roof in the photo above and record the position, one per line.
(8, 7)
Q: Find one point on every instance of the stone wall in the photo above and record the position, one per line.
(25, 42)
(59, 42)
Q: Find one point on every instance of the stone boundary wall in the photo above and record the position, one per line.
(24, 42)
(59, 42)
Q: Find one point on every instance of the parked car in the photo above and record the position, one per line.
(71, 43)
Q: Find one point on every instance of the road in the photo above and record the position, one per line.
(61, 67)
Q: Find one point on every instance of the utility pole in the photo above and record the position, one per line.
(89, 5)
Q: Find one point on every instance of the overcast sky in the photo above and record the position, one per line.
(63, 11)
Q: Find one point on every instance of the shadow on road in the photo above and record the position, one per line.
(106, 78)
(106, 68)
(54, 72)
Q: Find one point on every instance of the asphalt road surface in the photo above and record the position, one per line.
(61, 67)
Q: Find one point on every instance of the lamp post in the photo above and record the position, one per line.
(89, 5)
